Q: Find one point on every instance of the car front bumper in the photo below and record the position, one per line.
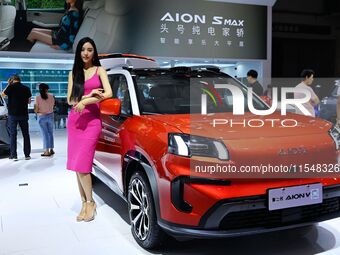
(249, 215)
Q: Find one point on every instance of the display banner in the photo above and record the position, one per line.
(197, 28)
(163, 28)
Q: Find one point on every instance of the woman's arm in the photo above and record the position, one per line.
(314, 100)
(96, 95)
(106, 84)
(91, 99)
(69, 88)
(53, 103)
(87, 96)
(79, 107)
(36, 105)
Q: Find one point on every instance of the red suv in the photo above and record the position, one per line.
(153, 132)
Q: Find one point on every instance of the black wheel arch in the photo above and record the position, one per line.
(134, 160)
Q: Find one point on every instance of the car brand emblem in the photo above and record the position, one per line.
(292, 151)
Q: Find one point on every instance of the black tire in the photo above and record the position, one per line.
(144, 226)
(4, 152)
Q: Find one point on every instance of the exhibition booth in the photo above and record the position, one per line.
(190, 159)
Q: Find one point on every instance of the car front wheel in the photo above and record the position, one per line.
(142, 213)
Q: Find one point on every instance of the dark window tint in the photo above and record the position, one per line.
(120, 90)
(168, 92)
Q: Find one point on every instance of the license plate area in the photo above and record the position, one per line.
(294, 196)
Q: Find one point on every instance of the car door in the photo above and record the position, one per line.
(108, 152)
(4, 134)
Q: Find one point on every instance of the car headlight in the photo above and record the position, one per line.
(335, 134)
(3, 117)
(190, 145)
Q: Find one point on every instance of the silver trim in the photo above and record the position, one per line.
(131, 87)
(139, 209)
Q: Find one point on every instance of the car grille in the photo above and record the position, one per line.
(268, 219)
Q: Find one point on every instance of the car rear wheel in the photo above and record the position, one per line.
(142, 213)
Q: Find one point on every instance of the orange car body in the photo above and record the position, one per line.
(197, 204)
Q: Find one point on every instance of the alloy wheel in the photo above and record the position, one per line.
(139, 209)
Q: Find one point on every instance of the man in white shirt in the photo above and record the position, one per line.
(308, 76)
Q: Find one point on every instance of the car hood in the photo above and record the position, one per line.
(309, 142)
(196, 124)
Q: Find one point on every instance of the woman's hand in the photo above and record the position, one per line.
(79, 107)
(98, 93)
(55, 47)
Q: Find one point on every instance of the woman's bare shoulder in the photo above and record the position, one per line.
(101, 70)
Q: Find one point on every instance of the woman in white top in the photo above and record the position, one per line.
(44, 104)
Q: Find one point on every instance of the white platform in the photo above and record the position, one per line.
(40, 218)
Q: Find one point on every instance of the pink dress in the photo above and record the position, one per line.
(83, 130)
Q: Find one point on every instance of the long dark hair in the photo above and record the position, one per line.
(43, 88)
(78, 69)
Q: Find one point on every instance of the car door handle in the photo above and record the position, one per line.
(37, 14)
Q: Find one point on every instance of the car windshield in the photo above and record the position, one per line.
(172, 91)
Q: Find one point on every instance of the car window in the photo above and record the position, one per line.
(1, 102)
(166, 92)
(120, 90)
(45, 4)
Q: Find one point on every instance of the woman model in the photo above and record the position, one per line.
(88, 84)
(64, 36)
(44, 104)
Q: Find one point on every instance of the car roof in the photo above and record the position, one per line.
(117, 60)
(188, 71)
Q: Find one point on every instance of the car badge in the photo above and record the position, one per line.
(292, 151)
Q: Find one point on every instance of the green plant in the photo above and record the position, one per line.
(45, 4)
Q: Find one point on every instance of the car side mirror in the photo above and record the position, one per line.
(111, 106)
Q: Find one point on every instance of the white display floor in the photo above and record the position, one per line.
(39, 202)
